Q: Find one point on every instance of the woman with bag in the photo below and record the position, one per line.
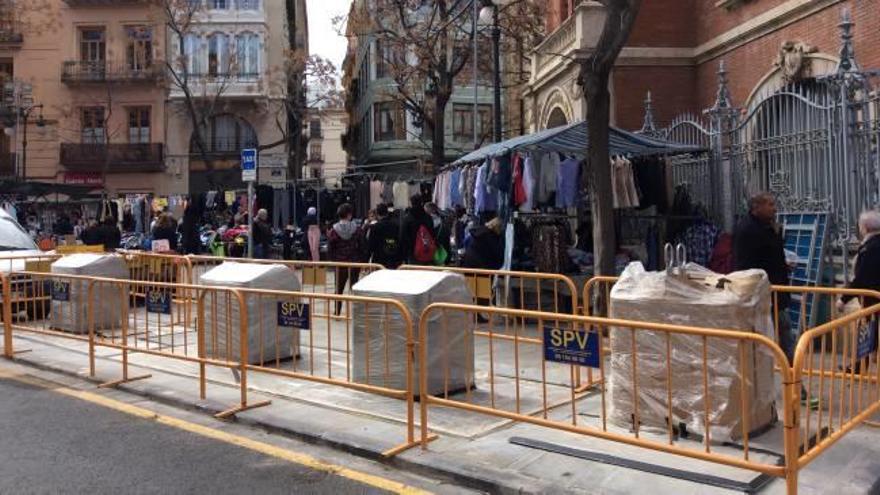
(867, 276)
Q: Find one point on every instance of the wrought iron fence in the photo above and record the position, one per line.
(814, 142)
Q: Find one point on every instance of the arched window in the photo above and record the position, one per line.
(556, 119)
(218, 55)
(192, 54)
(248, 55)
(226, 135)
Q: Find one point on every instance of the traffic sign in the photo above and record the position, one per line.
(249, 165)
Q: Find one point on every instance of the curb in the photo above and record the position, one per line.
(457, 476)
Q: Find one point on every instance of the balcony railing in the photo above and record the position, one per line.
(316, 134)
(81, 72)
(224, 148)
(316, 158)
(10, 32)
(118, 158)
(7, 166)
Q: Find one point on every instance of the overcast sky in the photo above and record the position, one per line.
(323, 39)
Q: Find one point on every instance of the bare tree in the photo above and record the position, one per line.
(201, 94)
(425, 49)
(594, 76)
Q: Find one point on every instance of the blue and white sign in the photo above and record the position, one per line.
(294, 315)
(249, 165)
(159, 301)
(571, 346)
(60, 291)
(867, 342)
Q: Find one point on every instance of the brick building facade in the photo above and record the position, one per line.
(676, 47)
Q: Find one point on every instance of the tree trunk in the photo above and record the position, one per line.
(599, 170)
(438, 133)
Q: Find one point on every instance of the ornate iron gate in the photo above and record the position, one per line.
(814, 143)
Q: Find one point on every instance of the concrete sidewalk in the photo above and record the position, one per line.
(472, 450)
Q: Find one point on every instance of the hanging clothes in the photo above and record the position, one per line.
(528, 182)
(623, 184)
(567, 183)
(401, 194)
(376, 188)
(454, 189)
(519, 191)
(547, 171)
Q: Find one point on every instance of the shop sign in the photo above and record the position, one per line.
(84, 178)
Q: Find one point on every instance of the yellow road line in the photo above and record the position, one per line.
(254, 445)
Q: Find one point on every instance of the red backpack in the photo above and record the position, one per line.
(425, 246)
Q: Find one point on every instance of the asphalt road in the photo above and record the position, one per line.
(54, 443)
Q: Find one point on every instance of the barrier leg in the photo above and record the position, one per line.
(7, 319)
(243, 367)
(791, 403)
(91, 319)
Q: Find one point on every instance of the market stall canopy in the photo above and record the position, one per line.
(571, 139)
(40, 189)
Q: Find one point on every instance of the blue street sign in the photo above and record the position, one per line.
(60, 291)
(249, 165)
(571, 346)
(159, 301)
(867, 340)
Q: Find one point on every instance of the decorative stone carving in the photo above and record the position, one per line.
(792, 60)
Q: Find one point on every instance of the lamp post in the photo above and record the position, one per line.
(488, 14)
(23, 113)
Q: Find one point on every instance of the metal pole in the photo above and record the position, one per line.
(496, 46)
(250, 215)
(476, 74)
(24, 143)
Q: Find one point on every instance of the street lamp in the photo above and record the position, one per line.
(23, 113)
(489, 16)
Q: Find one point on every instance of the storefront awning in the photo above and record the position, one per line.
(572, 139)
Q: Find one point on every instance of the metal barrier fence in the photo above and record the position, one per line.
(630, 421)
(246, 330)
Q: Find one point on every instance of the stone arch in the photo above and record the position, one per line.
(557, 118)
(819, 64)
(557, 106)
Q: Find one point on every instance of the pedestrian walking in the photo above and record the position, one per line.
(313, 233)
(383, 241)
(262, 233)
(867, 270)
(418, 242)
(345, 244)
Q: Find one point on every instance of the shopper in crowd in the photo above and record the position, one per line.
(418, 242)
(90, 235)
(108, 234)
(189, 229)
(313, 233)
(758, 244)
(262, 233)
(63, 226)
(441, 232)
(384, 239)
(867, 269)
(165, 228)
(485, 249)
(345, 244)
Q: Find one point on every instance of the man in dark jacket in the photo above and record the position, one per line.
(345, 245)
(262, 233)
(415, 218)
(485, 249)
(108, 234)
(383, 240)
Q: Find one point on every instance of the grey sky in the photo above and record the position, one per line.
(323, 38)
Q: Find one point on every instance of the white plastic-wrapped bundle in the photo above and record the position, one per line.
(70, 297)
(696, 298)
(222, 331)
(379, 332)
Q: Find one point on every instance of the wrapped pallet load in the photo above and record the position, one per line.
(70, 304)
(379, 334)
(267, 340)
(696, 297)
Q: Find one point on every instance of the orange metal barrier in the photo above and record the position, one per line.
(368, 347)
(548, 393)
(836, 364)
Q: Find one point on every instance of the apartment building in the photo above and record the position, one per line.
(383, 134)
(327, 160)
(102, 80)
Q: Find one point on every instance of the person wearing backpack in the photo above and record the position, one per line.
(383, 239)
(345, 244)
(418, 240)
(485, 250)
